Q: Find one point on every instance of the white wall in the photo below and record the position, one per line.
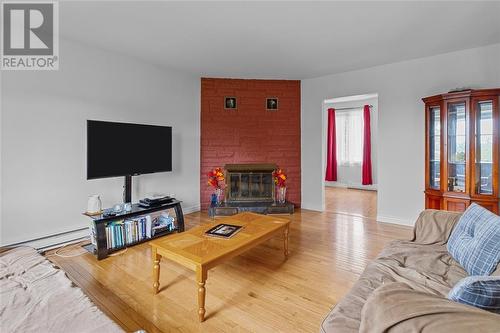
(400, 87)
(350, 175)
(43, 137)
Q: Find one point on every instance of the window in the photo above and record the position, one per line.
(349, 128)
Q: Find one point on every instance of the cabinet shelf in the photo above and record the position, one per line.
(142, 241)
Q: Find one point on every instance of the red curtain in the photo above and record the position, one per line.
(331, 157)
(366, 178)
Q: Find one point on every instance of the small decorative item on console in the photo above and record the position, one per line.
(163, 223)
(280, 182)
(94, 205)
(118, 208)
(127, 207)
(216, 180)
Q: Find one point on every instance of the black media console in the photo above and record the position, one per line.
(130, 233)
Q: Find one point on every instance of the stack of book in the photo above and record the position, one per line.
(125, 232)
(121, 233)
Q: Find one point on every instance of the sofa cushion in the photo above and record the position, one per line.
(475, 241)
(480, 291)
(434, 226)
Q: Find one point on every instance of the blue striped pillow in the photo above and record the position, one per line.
(480, 291)
(475, 241)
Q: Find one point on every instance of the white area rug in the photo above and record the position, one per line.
(37, 297)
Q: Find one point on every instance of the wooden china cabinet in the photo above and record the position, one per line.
(462, 149)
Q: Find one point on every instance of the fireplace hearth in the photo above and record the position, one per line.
(250, 187)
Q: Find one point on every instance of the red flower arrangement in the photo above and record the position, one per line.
(216, 178)
(279, 178)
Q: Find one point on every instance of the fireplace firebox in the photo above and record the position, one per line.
(249, 182)
(250, 187)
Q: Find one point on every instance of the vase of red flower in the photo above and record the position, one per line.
(281, 194)
(280, 182)
(216, 180)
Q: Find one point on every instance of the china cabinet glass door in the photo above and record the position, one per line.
(462, 150)
(435, 148)
(484, 148)
(456, 147)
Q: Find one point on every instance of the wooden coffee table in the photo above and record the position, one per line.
(199, 252)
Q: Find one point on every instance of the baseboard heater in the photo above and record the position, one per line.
(46, 243)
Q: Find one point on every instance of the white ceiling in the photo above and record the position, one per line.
(293, 40)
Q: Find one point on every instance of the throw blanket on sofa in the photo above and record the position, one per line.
(396, 307)
(422, 263)
(37, 297)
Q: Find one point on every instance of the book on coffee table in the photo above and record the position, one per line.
(223, 230)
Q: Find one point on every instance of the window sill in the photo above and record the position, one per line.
(350, 164)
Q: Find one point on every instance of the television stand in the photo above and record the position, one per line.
(101, 227)
(127, 189)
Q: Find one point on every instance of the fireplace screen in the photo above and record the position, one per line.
(250, 182)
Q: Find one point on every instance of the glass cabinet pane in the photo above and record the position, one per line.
(484, 148)
(435, 148)
(456, 147)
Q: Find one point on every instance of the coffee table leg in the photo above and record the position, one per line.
(285, 237)
(201, 277)
(156, 271)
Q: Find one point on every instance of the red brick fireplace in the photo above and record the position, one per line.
(250, 133)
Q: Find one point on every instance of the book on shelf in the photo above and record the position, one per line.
(121, 233)
(93, 238)
(148, 226)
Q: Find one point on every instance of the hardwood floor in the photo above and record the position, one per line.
(351, 201)
(255, 292)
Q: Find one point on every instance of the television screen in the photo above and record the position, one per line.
(121, 149)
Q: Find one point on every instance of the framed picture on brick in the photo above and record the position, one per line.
(230, 103)
(271, 104)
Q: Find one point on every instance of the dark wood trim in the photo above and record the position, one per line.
(495, 149)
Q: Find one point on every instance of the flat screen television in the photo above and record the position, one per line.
(123, 149)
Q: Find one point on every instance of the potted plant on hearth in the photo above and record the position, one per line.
(216, 180)
(280, 182)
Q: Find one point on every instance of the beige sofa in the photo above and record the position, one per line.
(404, 289)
